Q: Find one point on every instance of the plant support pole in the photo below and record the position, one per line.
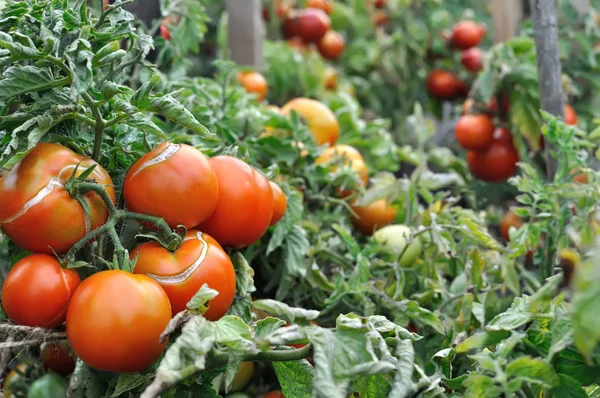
(543, 13)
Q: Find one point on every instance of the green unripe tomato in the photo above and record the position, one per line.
(394, 238)
(50, 385)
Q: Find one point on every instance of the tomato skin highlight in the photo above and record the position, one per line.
(279, 203)
(115, 320)
(322, 122)
(475, 132)
(37, 291)
(331, 46)
(212, 266)
(373, 216)
(175, 182)
(254, 83)
(36, 211)
(57, 357)
(496, 164)
(245, 206)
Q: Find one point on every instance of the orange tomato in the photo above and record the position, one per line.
(254, 83)
(325, 5)
(348, 156)
(321, 120)
(115, 320)
(331, 45)
(297, 43)
(510, 219)
(331, 79)
(175, 182)
(380, 18)
(466, 34)
(245, 206)
(199, 260)
(372, 216)
(37, 212)
(279, 203)
(570, 115)
(37, 291)
(475, 132)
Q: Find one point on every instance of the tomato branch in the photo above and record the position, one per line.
(98, 127)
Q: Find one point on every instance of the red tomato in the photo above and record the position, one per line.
(291, 25)
(245, 206)
(274, 394)
(36, 211)
(372, 216)
(496, 164)
(254, 83)
(164, 31)
(380, 18)
(475, 132)
(510, 219)
(115, 320)
(570, 115)
(106, 4)
(379, 3)
(199, 260)
(279, 203)
(442, 84)
(175, 182)
(313, 23)
(466, 34)
(472, 59)
(331, 45)
(325, 5)
(58, 357)
(503, 134)
(37, 291)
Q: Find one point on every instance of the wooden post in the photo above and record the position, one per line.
(506, 16)
(245, 32)
(582, 6)
(543, 14)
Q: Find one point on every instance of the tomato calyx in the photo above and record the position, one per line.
(171, 241)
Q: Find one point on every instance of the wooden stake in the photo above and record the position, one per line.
(507, 15)
(245, 32)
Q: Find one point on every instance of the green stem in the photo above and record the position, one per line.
(99, 125)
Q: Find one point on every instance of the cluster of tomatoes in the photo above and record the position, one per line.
(42, 211)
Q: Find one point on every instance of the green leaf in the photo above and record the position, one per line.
(403, 385)
(476, 265)
(480, 386)
(295, 378)
(510, 276)
(568, 388)
(267, 326)
(130, 381)
(244, 275)
(144, 123)
(532, 370)
(18, 79)
(173, 110)
(79, 56)
(141, 98)
(296, 250)
(375, 386)
(201, 299)
(284, 311)
(479, 340)
(515, 317)
(293, 214)
(586, 301)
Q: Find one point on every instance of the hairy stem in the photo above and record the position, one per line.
(99, 125)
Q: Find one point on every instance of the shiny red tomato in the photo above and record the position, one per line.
(475, 132)
(245, 206)
(37, 290)
(199, 260)
(115, 320)
(175, 182)
(313, 23)
(254, 83)
(279, 203)
(37, 212)
(331, 46)
(466, 34)
(472, 59)
(58, 357)
(503, 134)
(443, 84)
(496, 164)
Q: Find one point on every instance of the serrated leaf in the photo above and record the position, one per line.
(141, 98)
(533, 370)
(295, 378)
(516, 316)
(144, 123)
(284, 311)
(295, 250)
(510, 276)
(479, 340)
(173, 110)
(18, 80)
(244, 275)
(267, 326)
(402, 385)
(202, 298)
(130, 381)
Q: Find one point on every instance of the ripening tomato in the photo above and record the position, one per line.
(254, 83)
(442, 84)
(466, 34)
(475, 132)
(115, 320)
(472, 59)
(279, 203)
(331, 78)
(199, 260)
(245, 207)
(281, 9)
(570, 115)
(496, 164)
(380, 18)
(504, 135)
(325, 5)
(241, 378)
(580, 177)
(274, 394)
(164, 31)
(37, 291)
(372, 216)
(331, 45)
(343, 152)
(379, 3)
(313, 23)
(322, 122)
(58, 358)
(175, 182)
(37, 212)
(510, 219)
